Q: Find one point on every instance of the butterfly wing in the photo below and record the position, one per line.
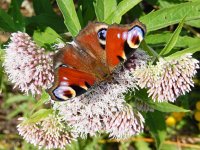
(75, 71)
(69, 83)
(92, 56)
(88, 40)
(121, 42)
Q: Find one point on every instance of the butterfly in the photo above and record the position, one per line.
(92, 57)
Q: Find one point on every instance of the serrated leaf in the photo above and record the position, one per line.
(103, 8)
(14, 12)
(172, 41)
(46, 38)
(39, 115)
(42, 6)
(166, 107)
(156, 123)
(165, 17)
(123, 7)
(70, 17)
(6, 22)
(183, 52)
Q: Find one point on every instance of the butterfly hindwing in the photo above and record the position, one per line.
(70, 83)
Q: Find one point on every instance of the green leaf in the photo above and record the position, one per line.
(39, 115)
(172, 15)
(6, 22)
(163, 107)
(172, 41)
(168, 3)
(158, 40)
(44, 20)
(86, 11)
(166, 107)
(17, 99)
(173, 147)
(44, 98)
(70, 17)
(183, 52)
(20, 109)
(156, 123)
(123, 7)
(103, 8)
(14, 12)
(194, 23)
(46, 38)
(142, 145)
(42, 6)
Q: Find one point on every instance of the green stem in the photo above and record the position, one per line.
(149, 50)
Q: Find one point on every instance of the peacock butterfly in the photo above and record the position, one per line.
(92, 57)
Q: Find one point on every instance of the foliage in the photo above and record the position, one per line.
(164, 37)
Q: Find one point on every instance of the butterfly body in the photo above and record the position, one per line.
(92, 56)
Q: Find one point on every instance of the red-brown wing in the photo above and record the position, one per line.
(73, 57)
(69, 83)
(88, 41)
(121, 41)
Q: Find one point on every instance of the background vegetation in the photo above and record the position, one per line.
(169, 126)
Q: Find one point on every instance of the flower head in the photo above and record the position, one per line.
(48, 133)
(28, 67)
(124, 123)
(92, 112)
(167, 80)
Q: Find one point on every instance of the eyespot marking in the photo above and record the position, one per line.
(135, 36)
(64, 92)
(102, 36)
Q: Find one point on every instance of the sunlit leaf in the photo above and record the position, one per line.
(104, 8)
(160, 39)
(172, 15)
(46, 38)
(166, 107)
(172, 41)
(39, 115)
(70, 17)
(123, 7)
(178, 54)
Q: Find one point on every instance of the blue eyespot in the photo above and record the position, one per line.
(102, 34)
(138, 30)
(134, 37)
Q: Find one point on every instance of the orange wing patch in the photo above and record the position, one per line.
(70, 83)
